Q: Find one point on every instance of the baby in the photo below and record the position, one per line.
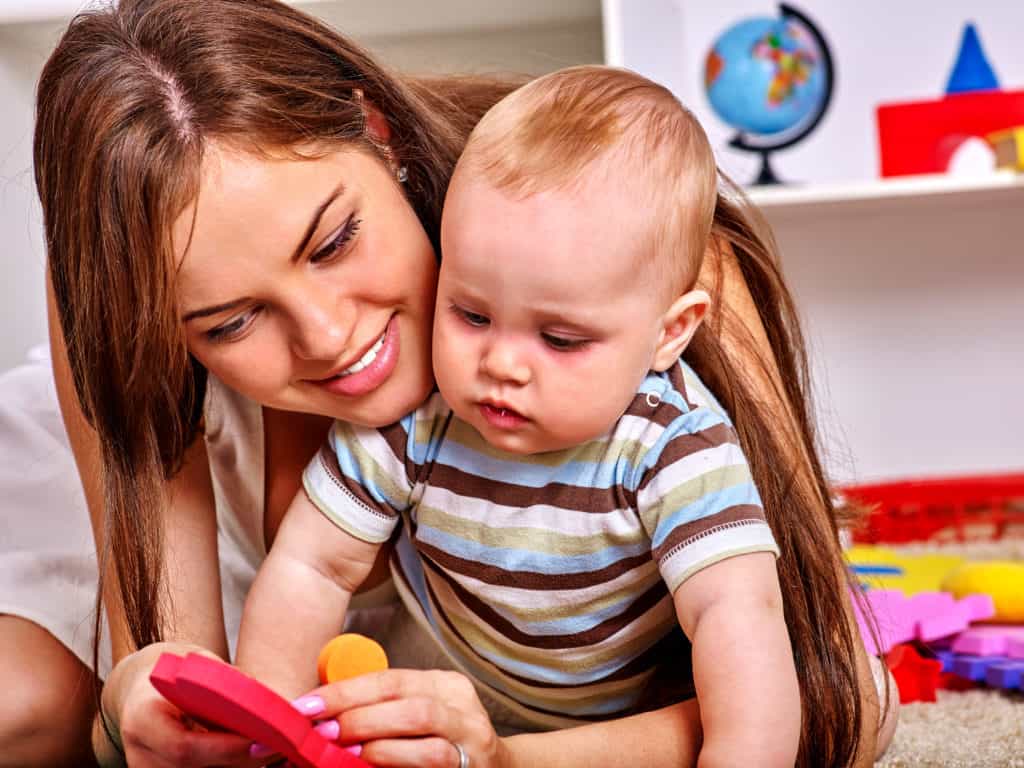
(572, 492)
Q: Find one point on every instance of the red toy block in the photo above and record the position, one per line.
(916, 677)
(220, 695)
(951, 682)
(921, 136)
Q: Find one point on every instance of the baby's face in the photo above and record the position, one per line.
(546, 322)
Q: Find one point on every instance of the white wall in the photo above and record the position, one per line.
(884, 50)
(23, 49)
(915, 317)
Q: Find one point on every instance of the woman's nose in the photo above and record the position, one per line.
(503, 362)
(322, 330)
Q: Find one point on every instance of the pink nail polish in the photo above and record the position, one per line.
(329, 729)
(309, 705)
(257, 750)
(355, 749)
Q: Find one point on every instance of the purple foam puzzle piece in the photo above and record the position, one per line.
(974, 667)
(946, 657)
(1006, 675)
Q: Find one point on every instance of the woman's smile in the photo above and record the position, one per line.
(371, 369)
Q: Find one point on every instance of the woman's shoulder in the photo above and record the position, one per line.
(226, 411)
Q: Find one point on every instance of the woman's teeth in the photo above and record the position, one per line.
(365, 360)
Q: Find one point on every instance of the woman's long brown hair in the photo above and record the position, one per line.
(787, 470)
(126, 104)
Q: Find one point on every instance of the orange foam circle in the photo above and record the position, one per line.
(349, 655)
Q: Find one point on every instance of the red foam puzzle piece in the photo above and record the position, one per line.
(916, 677)
(220, 695)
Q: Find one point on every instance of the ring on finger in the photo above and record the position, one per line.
(463, 757)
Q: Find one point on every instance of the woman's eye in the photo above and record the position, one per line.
(338, 242)
(471, 318)
(562, 344)
(232, 329)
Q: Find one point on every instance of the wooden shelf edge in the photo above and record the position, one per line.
(879, 194)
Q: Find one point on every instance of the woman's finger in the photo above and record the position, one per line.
(401, 718)
(167, 739)
(434, 752)
(389, 685)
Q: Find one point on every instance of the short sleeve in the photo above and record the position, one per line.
(698, 501)
(360, 479)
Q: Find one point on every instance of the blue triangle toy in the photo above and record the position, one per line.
(971, 72)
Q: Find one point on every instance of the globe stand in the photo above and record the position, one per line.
(765, 145)
(767, 174)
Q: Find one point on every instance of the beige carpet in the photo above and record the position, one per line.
(979, 728)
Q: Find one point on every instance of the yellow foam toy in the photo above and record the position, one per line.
(1001, 579)
(349, 655)
(921, 573)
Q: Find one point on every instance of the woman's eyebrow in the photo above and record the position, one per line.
(214, 310)
(334, 194)
(337, 192)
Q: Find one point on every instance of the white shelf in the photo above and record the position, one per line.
(933, 192)
(373, 19)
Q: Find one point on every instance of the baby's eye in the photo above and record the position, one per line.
(474, 319)
(562, 344)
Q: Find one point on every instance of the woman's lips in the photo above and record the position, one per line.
(374, 374)
(502, 418)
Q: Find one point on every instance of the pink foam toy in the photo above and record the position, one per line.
(990, 640)
(981, 606)
(1015, 648)
(927, 616)
(220, 695)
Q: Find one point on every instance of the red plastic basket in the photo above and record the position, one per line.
(989, 507)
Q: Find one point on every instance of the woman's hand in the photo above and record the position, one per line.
(411, 718)
(153, 732)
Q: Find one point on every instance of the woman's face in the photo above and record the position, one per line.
(308, 285)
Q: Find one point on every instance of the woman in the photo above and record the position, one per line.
(241, 212)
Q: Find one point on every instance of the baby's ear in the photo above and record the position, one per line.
(678, 325)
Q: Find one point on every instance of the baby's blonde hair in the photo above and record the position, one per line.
(551, 132)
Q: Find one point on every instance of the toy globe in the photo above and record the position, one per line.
(770, 79)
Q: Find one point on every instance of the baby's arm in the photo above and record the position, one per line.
(299, 598)
(742, 662)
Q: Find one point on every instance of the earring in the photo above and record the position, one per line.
(402, 174)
